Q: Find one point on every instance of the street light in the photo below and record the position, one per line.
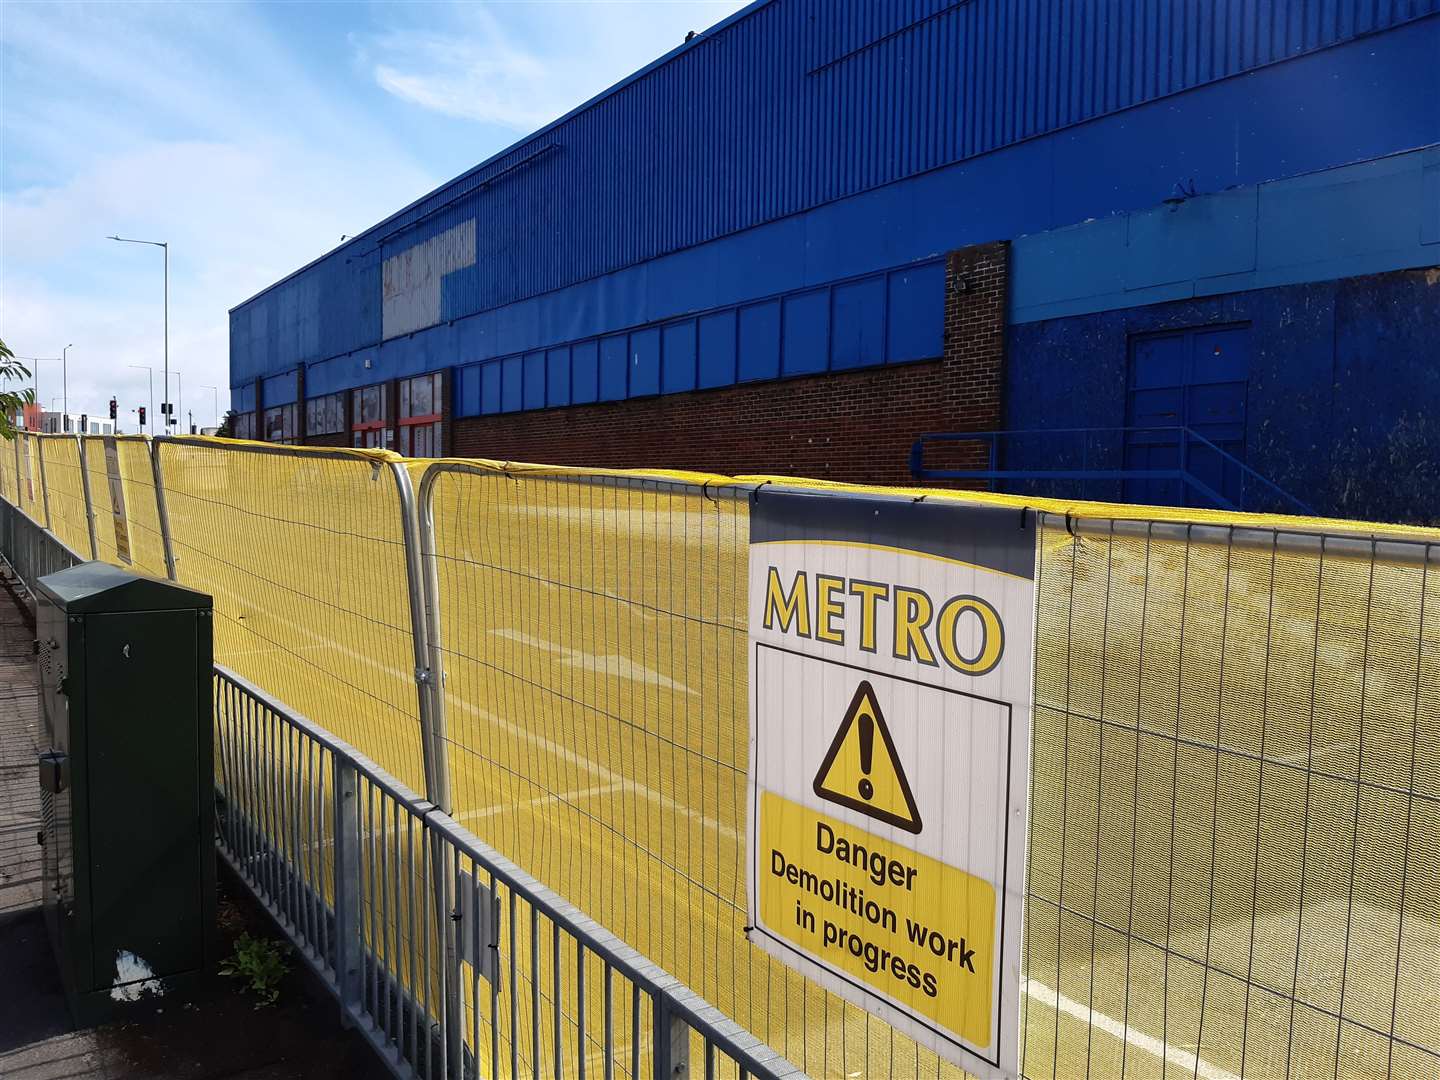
(216, 392)
(149, 371)
(164, 246)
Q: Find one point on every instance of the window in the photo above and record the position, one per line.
(244, 425)
(325, 415)
(280, 424)
(421, 415)
(369, 415)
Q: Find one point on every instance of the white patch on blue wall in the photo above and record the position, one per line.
(133, 978)
(411, 281)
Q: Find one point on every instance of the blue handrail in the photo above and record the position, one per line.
(1185, 438)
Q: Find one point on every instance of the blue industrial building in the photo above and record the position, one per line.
(1199, 241)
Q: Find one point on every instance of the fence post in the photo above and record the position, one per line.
(430, 696)
(44, 487)
(89, 499)
(162, 511)
(349, 953)
(672, 1040)
(427, 676)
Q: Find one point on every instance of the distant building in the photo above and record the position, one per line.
(825, 227)
(59, 423)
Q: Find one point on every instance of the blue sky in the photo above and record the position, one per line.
(251, 137)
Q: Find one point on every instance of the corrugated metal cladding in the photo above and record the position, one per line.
(791, 105)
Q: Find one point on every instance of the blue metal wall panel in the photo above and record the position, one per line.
(678, 357)
(490, 392)
(585, 372)
(279, 390)
(614, 367)
(760, 341)
(645, 362)
(557, 377)
(1345, 222)
(784, 336)
(859, 323)
(799, 103)
(534, 377)
(915, 325)
(717, 349)
(512, 384)
(805, 320)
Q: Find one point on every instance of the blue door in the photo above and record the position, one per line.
(1193, 379)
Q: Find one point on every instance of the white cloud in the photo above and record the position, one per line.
(251, 144)
(191, 126)
(538, 64)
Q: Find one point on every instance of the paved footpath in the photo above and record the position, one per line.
(220, 1035)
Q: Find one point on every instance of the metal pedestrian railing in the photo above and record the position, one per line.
(1160, 465)
(398, 909)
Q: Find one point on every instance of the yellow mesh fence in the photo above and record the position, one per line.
(9, 476)
(65, 490)
(304, 555)
(1235, 810)
(1189, 759)
(100, 503)
(31, 482)
(142, 513)
(1234, 850)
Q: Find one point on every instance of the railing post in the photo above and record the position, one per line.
(89, 499)
(672, 1040)
(162, 511)
(44, 487)
(349, 951)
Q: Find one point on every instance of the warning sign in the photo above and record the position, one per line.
(890, 717)
(852, 776)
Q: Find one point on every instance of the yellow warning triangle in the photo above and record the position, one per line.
(861, 769)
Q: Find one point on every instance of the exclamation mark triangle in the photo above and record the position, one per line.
(863, 773)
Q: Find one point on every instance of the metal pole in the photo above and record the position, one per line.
(65, 384)
(162, 510)
(349, 949)
(427, 677)
(166, 248)
(89, 500)
(44, 487)
(434, 750)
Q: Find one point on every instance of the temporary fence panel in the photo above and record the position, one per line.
(65, 490)
(593, 638)
(29, 481)
(9, 475)
(1235, 805)
(102, 508)
(142, 507)
(304, 554)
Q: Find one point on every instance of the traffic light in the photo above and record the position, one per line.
(142, 415)
(114, 409)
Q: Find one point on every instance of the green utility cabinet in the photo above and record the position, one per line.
(127, 785)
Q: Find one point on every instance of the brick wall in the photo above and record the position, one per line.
(855, 425)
